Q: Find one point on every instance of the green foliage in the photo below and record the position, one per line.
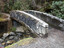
(21, 5)
(45, 6)
(58, 9)
(17, 5)
(55, 7)
(13, 29)
(8, 6)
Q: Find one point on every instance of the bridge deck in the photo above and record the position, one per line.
(54, 40)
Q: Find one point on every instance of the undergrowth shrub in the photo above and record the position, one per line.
(58, 9)
(55, 8)
(17, 5)
(13, 29)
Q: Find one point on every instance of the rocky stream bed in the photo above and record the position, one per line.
(12, 37)
(55, 39)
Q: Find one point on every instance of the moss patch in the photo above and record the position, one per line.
(22, 42)
(1, 19)
(13, 29)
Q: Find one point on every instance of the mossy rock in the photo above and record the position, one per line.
(2, 19)
(22, 42)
